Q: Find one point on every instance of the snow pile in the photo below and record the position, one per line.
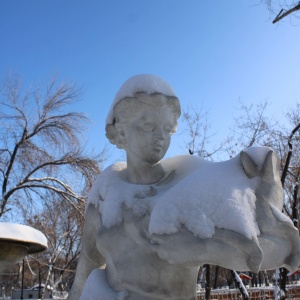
(97, 287)
(146, 83)
(202, 195)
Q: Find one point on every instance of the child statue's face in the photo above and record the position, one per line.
(148, 133)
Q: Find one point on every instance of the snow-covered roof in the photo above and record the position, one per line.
(145, 83)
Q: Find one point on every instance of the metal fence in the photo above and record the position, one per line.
(293, 293)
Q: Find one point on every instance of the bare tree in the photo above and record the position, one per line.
(197, 129)
(63, 226)
(41, 146)
(252, 127)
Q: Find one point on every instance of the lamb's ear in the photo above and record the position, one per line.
(270, 169)
(249, 165)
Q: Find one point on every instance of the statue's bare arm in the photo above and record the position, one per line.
(225, 248)
(90, 258)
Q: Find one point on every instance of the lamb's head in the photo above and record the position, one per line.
(269, 189)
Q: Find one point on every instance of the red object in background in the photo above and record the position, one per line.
(244, 276)
(296, 272)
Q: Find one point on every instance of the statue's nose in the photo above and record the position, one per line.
(159, 133)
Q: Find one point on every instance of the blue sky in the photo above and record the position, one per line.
(213, 53)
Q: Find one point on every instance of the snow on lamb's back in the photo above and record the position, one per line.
(217, 195)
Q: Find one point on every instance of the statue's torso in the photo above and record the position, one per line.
(134, 267)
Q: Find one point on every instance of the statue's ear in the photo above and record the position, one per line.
(121, 130)
(270, 169)
(249, 165)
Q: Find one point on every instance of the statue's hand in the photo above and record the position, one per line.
(178, 248)
(225, 248)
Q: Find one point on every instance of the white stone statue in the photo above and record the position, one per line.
(151, 223)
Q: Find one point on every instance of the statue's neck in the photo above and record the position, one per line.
(140, 172)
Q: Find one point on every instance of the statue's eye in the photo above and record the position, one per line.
(148, 127)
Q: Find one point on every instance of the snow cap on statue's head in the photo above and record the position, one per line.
(143, 83)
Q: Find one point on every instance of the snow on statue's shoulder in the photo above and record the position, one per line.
(114, 175)
(111, 192)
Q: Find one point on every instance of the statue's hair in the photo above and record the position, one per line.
(125, 109)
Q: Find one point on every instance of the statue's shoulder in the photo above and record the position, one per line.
(112, 175)
(114, 171)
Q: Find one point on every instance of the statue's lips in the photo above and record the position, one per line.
(157, 147)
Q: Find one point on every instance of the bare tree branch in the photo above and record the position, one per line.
(283, 13)
(289, 155)
(282, 8)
